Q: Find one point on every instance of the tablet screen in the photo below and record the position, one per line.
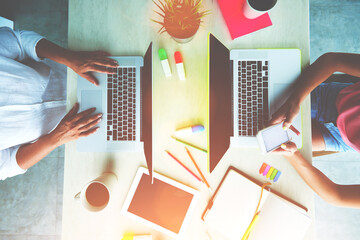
(160, 203)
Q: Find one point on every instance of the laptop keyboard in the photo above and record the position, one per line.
(121, 105)
(253, 96)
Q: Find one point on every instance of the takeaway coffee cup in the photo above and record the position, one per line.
(96, 195)
(255, 8)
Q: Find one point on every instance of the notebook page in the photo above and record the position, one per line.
(234, 205)
(280, 220)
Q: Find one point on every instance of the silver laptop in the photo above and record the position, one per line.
(262, 81)
(246, 88)
(118, 98)
(127, 122)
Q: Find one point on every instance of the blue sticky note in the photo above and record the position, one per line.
(277, 176)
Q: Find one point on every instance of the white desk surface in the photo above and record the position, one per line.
(124, 28)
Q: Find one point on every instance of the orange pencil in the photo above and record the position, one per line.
(197, 167)
(187, 169)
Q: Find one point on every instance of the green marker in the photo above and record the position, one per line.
(164, 62)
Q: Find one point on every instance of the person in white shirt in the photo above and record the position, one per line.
(33, 98)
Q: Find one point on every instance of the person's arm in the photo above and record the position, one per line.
(311, 77)
(71, 127)
(339, 195)
(323, 68)
(83, 63)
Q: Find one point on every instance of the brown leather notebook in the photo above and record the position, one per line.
(231, 209)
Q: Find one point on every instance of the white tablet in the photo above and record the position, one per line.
(165, 205)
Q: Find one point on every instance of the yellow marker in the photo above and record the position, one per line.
(269, 172)
(248, 230)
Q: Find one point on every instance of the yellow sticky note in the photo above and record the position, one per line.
(269, 172)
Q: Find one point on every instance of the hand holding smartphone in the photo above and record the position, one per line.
(272, 137)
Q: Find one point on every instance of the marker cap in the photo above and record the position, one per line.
(178, 57)
(162, 54)
(197, 128)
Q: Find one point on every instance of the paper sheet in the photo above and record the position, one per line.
(237, 23)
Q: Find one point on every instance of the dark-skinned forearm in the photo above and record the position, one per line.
(341, 195)
(313, 75)
(348, 63)
(318, 182)
(322, 69)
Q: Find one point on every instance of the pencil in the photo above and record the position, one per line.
(197, 168)
(187, 169)
(189, 144)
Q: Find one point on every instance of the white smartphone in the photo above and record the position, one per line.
(272, 137)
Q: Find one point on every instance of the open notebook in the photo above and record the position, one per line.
(231, 210)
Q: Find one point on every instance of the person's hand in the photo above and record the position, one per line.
(75, 125)
(83, 63)
(286, 113)
(287, 149)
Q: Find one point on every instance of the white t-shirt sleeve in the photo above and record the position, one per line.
(18, 45)
(8, 164)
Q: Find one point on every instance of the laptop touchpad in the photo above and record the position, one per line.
(90, 99)
(281, 92)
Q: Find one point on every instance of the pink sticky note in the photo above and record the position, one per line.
(237, 23)
(266, 170)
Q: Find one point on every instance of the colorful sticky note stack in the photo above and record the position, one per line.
(270, 172)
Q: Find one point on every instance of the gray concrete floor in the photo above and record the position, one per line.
(31, 204)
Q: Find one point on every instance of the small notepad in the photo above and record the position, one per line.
(237, 23)
(232, 208)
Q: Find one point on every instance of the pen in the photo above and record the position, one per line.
(187, 169)
(248, 230)
(197, 168)
(189, 144)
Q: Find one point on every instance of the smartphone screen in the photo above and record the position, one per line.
(274, 136)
